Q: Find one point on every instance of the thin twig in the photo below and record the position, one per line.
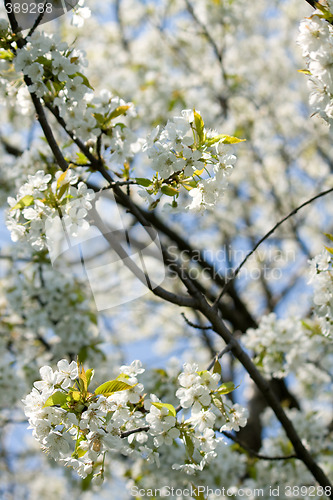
(205, 31)
(193, 325)
(134, 431)
(254, 453)
(38, 21)
(226, 349)
(265, 237)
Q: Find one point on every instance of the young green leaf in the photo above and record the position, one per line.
(329, 249)
(217, 367)
(85, 80)
(189, 446)
(169, 191)
(81, 158)
(213, 140)
(112, 386)
(172, 410)
(304, 71)
(61, 179)
(121, 110)
(89, 376)
(143, 182)
(198, 495)
(58, 398)
(199, 127)
(26, 201)
(74, 395)
(226, 388)
(229, 139)
(83, 381)
(7, 55)
(329, 236)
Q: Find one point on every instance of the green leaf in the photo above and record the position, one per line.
(214, 140)
(85, 80)
(329, 236)
(74, 395)
(99, 118)
(58, 86)
(44, 61)
(112, 386)
(89, 375)
(121, 376)
(217, 367)
(26, 201)
(169, 191)
(83, 381)
(326, 14)
(189, 446)
(7, 55)
(120, 110)
(304, 71)
(61, 178)
(143, 182)
(62, 190)
(82, 159)
(199, 126)
(172, 410)
(80, 452)
(229, 139)
(86, 482)
(225, 388)
(161, 372)
(329, 249)
(198, 495)
(58, 398)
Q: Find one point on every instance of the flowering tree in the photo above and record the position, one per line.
(167, 310)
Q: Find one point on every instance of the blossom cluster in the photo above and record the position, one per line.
(60, 310)
(279, 345)
(43, 199)
(185, 155)
(200, 393)
(55, 72)
(77, 427)
(316, 41)
(283, 346)
(46, 60)
(322, 281)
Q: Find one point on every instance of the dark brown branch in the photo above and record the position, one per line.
(264, 386)
(85, 150)
(134, 431)
(181, 300)
(193, 325)
(11, 150)
(226, 349)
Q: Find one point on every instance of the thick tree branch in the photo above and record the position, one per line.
(264, 386)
